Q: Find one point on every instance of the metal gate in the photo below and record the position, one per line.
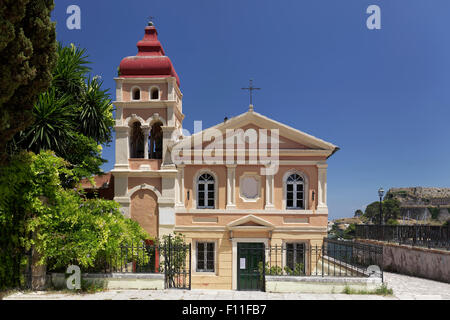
(177, 264)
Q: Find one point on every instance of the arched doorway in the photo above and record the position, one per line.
(144, 210)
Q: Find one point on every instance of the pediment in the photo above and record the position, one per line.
(289, 138)
(250, 222)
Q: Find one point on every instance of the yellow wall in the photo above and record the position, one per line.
(222, 277)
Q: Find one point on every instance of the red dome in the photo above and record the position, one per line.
(150, 61)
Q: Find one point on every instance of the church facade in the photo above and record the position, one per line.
(249, 179)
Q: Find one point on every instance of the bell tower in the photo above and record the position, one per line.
(148, 112)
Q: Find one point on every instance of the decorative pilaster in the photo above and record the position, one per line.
(119, 116)
(231, 186)
(119, 90)
(167, 147)
(120, 193)
(322, 186)
(122, 147)
(180, 187)
(166, 206)
(269, 192)
(171, 89)
(170, 116)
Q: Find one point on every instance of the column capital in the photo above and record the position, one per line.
(322, 165)
(121, 128)
(167, 128)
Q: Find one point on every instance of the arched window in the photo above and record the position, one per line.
(154, 94)
(155, 141)
(136, 141)
(205, 191)
(136, 94)
(295, 198)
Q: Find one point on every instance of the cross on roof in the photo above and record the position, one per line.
(250, 89)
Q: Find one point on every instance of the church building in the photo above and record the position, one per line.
(248, 180)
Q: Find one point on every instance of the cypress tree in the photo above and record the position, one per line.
(27, 57)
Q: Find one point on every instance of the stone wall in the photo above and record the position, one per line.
(414, 261)
(115, 281)
(421, 196)
(320, 284)
(415, 203)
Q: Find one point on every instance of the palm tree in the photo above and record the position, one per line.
(95, 117)
(69, 75)
(53, 125)
(73, 117)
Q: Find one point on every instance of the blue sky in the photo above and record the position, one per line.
(381, 95)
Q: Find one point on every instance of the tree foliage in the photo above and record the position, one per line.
(358, 213)
(73, 118)
(391, 210)
(349, 232)
(63, 226)
(27, 57)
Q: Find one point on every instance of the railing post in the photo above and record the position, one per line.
(190, 271)
(166, 276)
(276, 256)
(382, 263)
(322, 254)
(264, 268)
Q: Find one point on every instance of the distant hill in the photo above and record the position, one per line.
(422, 203)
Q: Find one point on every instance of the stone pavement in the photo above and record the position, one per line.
(405, 288)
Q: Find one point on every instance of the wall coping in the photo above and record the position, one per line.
(318, 279)
(404, 246)
(117, 275)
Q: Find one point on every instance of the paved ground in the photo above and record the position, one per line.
(404, 287)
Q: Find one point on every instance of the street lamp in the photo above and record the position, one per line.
(380, 194)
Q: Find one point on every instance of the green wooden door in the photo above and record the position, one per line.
(249, 264)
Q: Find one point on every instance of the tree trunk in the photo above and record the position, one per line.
(38, 271)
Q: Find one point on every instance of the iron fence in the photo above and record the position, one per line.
(414, 235)
(168, 257)
(334, 258)
(132, 258)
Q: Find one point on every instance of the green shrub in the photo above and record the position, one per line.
(392, 222)
(434, 212)
(382, 290)
(178, 260)
(92, 287)
(299, 270)
(61, 224)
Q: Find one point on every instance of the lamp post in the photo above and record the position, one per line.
(380, 194)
